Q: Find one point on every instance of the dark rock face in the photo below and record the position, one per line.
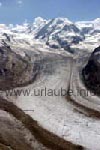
(15, 70)
(91, 72)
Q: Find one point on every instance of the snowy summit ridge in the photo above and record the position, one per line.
(58, 33)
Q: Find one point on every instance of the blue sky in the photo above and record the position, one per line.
(16, 11)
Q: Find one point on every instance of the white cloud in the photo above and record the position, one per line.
(0, 4)
(19, 2)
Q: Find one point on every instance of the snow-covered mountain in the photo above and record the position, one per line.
(91, 31)
(93, 26)
(58, 33)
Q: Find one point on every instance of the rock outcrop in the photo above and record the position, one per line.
(91, 72)
(15, 70)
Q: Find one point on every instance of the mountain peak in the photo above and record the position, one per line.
(97, 20)
(61, 20)
(38, 20)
